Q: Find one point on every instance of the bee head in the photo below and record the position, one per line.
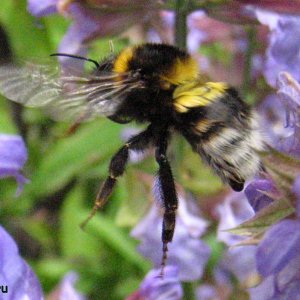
(161, 66)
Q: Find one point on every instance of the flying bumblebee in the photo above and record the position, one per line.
(159, 85)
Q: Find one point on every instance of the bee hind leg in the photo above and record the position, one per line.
(169, 197)
(117, 168)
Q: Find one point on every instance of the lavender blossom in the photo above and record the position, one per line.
(206, 292)
(15, 273)
(91, 19)
(66, 289)
(283, 51)
(243, 11)
(289, 93)
(278, 259)
(186, 250)
(13, 155)
(219, 288)
(283, 285)
(271, 256)
(273, 122)
(239, 260)
(234, 210)
(42, 8)
(195, 35)
(154, 287)
(258, 193)
(281, 6)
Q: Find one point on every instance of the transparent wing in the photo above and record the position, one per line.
(64, 95)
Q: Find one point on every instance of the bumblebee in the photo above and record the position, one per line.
(159, 85)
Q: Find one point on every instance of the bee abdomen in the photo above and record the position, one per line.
(233, 152)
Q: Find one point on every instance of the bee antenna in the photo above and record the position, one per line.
(77, 57)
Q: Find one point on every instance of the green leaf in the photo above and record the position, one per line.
(196, 177)
(217, 51)
(127, 287)
(266, 217)
(51, 270)
(133, 194)
(6, 123)
(283, 169)
(40, 231)
(118, 240)
(28, 39)
(71, 156)
(71, 235)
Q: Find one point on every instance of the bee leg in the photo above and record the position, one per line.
(169, 197)
(117, 167)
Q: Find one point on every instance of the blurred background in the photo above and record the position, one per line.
(64, 172)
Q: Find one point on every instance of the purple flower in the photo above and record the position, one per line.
(234, 210)
(289, 93)
(42, 8)
(156, 288)
(296, 191)
(206, 292)
(15, 272)
(258, 193)
(195, 35)
(271, 256)
(282, 6)
(239, 260)
(278, 259)
(218, 288)
(242, 11)
(283, 53)
(66, 289)
(13, 155)
(93, 19)
(283, 285)
(273, 122)
(186, 250)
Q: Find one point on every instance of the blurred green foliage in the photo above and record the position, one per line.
(65, 174)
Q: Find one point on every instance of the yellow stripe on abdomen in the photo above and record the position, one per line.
(194, 94)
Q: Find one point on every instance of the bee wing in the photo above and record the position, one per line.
(64, 95)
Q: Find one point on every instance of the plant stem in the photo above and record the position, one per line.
(251, 38)
(182, 10)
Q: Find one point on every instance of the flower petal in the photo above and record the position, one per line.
(234, 210)
(167, 288)
(13, 155)
(281, 286)
(15, 272)
(283, 51)
(273, 122)
(280, 245)
(257, 193)
(241, 262)
(67, 290)
(264, 291)
(296, 190)
(186, 249)
(40, 8)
